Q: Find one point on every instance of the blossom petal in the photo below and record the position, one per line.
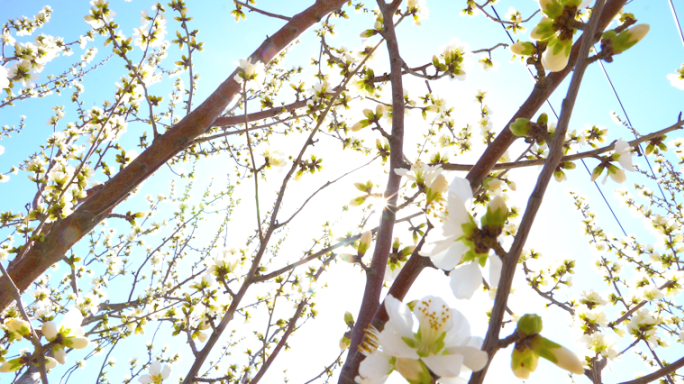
(393, 344)
(444, 365)
(155, 368)
(450, 259)
(459, 334)
(460, 187)
(166, 372)
(495, 266)
(49, 330)
(375, 367)
(145, 379)
(433, 247)
(473, 358)
(400, 316)
(465, 280)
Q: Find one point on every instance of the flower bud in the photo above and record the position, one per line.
(559, 175)
(617, 174)
(523, 362)
(551, 8)
(49, 330)
(59, 354)
(520, 127)
(364, 243)
(543, 31)
(368, 33)
(530, 324)
(437, 188)
(523, 48)
(18, 326)
(344, 343)
(11, 366)
(543, 119)
(360, 125)
(596, 172)
(348, 318)
(556, 56)
(497, 213)
(557, 354)
(628, 38)
(50, 362)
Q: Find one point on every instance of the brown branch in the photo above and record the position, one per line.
(38, 353)
(65, 233)
(226, 121)
(510, 263)
(257, 10)
(374, 279)
(539, 95)
(666, 370)
(529, 163)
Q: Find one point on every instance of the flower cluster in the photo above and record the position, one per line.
(441, 344)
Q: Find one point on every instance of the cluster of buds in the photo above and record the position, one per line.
(613, 43)
(532, 346)
(538, 131)
(361, 248)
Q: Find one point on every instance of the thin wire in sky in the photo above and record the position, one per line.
(677, 23)
(556, 114)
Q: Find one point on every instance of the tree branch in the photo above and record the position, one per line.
(510, 263)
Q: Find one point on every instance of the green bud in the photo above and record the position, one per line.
(364, 243)
(596, 172)
(520, 127)
(571, 3)
(569, 165)
(368, 33)
(543, 31)
(630, 37)
(345, 342)
(348, 318)
(610, 35)
(551, 8)
(497, 213)
(530, 324)
(523, 48)
(557, 354)
(523, 362)
(543, 119)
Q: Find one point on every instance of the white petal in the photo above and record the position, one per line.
(374, 367)
(166, 372)
(155, 367)
(145, 379)
(450, 259)
(444, 365)
(626, 162)
(401, 171)
(465, 280)
(433, 246)
(473, 358)
(458, 214)
(400, 315)
(459, 334)
(78, 342)
(49, 330)
(461, 188)
(495, 266)
(73, 319)
(392, 343)
(59, 354)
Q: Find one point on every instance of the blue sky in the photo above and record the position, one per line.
(638, 76)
